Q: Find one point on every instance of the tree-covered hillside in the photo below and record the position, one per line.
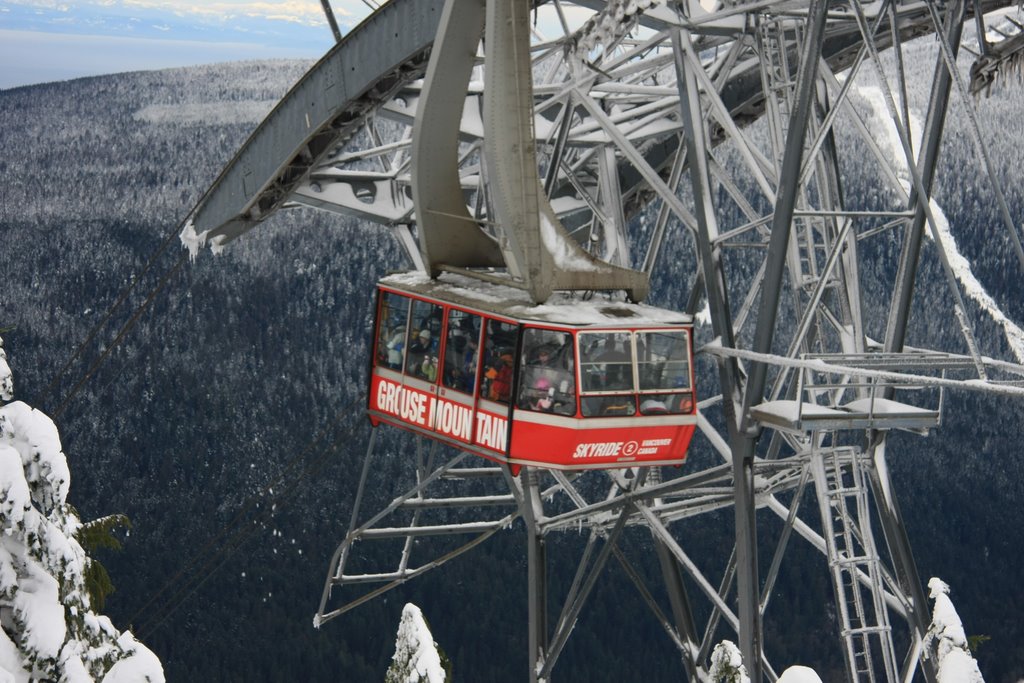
(227, 422)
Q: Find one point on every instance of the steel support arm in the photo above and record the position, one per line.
(938, 105)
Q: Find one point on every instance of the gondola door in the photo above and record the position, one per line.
(454, 415)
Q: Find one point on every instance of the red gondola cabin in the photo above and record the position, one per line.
(566, 385)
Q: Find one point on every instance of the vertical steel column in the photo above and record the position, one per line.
(840, 237)
(729, 371)
(331, 20)
(744, 443)
(536, 575)
(682, 612)
(785, 201)
(893, 529)
(938, 105)
(712, 272)
(898, 543)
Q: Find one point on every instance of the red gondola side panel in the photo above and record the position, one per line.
(569, 443)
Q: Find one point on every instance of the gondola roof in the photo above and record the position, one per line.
(511, 302)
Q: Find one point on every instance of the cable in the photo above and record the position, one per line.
(39, 398)
(229, 549)
(120, 335)
(226, 550)
(252, 500)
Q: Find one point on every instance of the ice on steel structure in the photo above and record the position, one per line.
(626, 113)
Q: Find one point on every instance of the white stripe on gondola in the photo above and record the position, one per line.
(589, 423)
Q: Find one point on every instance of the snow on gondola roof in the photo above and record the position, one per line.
(561, 309)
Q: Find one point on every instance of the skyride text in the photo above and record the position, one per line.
(436, 414)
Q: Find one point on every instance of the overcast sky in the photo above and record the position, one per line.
(52, 40)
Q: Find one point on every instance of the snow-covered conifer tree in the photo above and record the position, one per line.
(417, 658)
(953, 658)
(48, 630)
(727, 664)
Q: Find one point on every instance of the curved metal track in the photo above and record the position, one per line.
(724, 123)
(363, 74)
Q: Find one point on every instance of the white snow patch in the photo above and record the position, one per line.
(703, 316)
(415, 648)
(792, 411)
(15, 498)
(191, 240)
(11, 667)
(563, 253)
(885, 407)
(140, 666)
(889, 140)
(37, 604)
(35, 437)
(194, 241)
(955, 663)
(74, 669)
(799, 674)
(972, 287)
(217, 244)
(727, 664)
(6, 380)
(206, 113)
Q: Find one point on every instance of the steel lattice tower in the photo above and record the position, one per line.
(719, 131)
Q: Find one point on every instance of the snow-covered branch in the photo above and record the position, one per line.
(48, 630)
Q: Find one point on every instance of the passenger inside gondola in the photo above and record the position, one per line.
(461, 345)
(499, 347)
(500, 375)
(547, 383)
(606, 364)
(391, 343)
(422, 344)
(664, 371)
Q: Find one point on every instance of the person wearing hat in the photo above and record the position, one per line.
(419, 348)
(421, 344)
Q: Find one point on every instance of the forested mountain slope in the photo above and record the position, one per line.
(201, 424)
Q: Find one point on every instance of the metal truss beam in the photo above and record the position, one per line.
(610, 133)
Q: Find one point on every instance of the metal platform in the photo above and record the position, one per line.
(799, 417)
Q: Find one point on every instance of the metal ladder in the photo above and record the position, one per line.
(777, 80)
(774, 38)
(842, 491)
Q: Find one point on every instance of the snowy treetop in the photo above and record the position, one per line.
(954, 661)
(48, 629)
(416, 658)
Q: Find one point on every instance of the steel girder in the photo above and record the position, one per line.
(376, 62)
(662, 134)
